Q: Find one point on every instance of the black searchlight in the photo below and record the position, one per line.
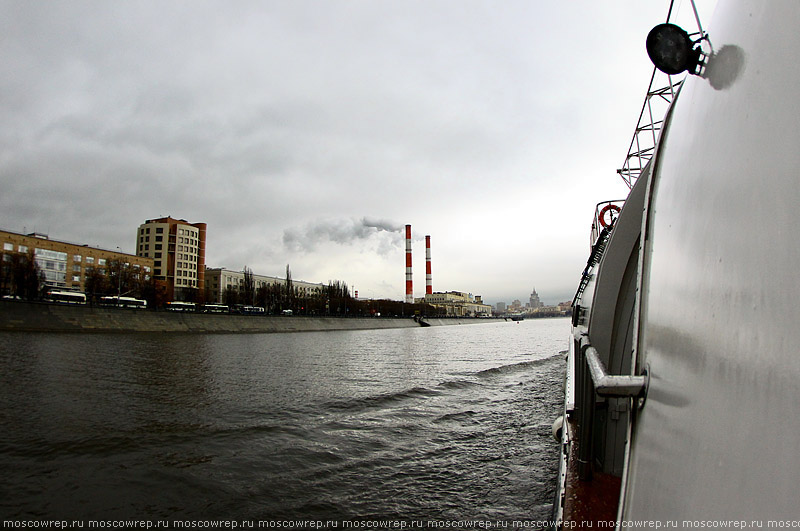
(671, 50)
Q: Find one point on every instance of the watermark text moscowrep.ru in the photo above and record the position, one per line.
(275, 524)
(388, 524)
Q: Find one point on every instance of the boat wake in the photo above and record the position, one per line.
(517, 367)
(467, 381)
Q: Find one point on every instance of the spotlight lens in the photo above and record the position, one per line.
(670, 49)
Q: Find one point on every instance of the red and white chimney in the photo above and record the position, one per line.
(428, 281)
(409, 283)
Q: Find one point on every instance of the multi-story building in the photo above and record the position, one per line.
(64, 265)
(458, 304)
(535, 302)
(178, 251)
(217, 280)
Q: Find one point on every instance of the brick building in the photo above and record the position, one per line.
(63, 264)
(178, 251)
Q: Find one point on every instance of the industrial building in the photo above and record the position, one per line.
(458, 304)
(217, 280)
(178, 251)
(63, 264)
(455, 303)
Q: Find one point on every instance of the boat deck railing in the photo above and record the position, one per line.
(592, 380)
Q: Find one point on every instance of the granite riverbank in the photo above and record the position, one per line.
(42, 317)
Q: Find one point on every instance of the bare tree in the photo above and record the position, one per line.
(20, 275)
(230, 296)
(289, 288)
(25, 275)
(248, 288)
(95, 284)
(122, 278)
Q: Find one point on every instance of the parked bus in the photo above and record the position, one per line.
(179, 306)
(123, 302)
(215, 308)
(66, 297)
(251, 310)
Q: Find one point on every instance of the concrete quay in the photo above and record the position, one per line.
(42, 317)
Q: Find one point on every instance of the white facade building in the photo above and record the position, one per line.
(458, 304)
(217, 280)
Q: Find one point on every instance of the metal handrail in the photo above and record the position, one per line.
(612, 385)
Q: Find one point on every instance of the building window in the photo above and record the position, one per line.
(53, 265)
(22, 249)
(76, 278)
(76, 268)
(101, 261)
(76, 258)
(8, 246)
(159, 238)
(159, 230)
(90, 259)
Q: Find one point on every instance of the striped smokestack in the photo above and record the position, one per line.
(409, 282)
(428, 281)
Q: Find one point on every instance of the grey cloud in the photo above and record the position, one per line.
(259, 115)
(344, 231)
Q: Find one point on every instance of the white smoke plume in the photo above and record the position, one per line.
(344, 231)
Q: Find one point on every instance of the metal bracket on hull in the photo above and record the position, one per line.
(613, 385)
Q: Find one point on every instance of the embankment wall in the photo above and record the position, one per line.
(42, 317)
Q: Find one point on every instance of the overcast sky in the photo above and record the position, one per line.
(309, 132)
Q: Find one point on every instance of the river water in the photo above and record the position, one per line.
(442, 423)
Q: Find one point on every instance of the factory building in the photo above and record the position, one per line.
(178, 251)
(63, 264)
(458, 304)
(455, 303)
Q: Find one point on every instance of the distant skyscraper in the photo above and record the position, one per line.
(535, 302)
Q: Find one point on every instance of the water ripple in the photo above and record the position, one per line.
(441, 422)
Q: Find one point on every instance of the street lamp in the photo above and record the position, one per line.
(119, 277)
